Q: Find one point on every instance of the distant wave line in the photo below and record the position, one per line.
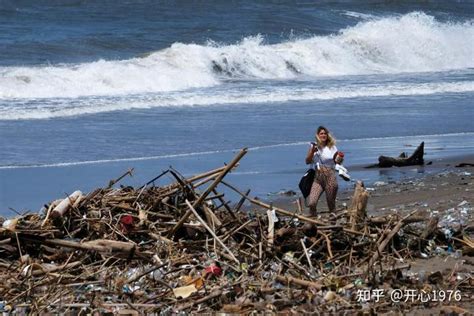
(255, 148)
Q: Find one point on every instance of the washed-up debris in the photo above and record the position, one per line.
(183, 248)
(464, 164)
(455, 219)
(402, 160)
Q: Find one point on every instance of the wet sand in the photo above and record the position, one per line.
(441, 185)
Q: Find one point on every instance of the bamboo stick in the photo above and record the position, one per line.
(212, 232)
(271, 230)
(387, 239)
(224, 204)
(209, 189)
(288, 213)
(112, 182)
(307, 257)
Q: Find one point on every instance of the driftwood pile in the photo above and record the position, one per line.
(184, 248)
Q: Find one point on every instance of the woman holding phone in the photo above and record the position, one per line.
(323, 153)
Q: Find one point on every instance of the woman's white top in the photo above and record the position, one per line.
(325, 156)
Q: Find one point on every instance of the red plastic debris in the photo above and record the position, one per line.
(126, 222)
(213, 269)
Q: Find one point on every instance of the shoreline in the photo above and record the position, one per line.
(384, 194)
(265, 170)
(285, 198)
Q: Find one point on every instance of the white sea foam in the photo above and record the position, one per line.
(358, 15)
(414, 42)
(31, 110)
(213, 152)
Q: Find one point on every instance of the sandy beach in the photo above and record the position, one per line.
(439, 186)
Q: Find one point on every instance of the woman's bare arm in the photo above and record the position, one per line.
(310, 154)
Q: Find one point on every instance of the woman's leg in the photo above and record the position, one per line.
(331, 187)
(313, 197)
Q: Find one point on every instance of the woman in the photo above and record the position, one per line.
(322, 154)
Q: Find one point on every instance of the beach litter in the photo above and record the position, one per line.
(182, 248)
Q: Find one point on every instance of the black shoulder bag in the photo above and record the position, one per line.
(306, 182)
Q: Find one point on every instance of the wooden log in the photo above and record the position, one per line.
(465, 164)
(100, 245)
(65, 204)
(415, 159)
(104, 246)
(358, 206)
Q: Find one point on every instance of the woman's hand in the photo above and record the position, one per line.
(338, 157)
(310, 154)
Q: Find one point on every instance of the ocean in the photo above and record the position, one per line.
(89, 89)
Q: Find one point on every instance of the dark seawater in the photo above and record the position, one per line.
(89, 89)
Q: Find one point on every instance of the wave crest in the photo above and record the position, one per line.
(414, 42)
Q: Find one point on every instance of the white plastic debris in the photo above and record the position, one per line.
(454, 219)
(274, 216)
(10, 224)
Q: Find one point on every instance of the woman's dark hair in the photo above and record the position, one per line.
(320, 128)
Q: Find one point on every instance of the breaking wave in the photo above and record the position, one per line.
(415, 42)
